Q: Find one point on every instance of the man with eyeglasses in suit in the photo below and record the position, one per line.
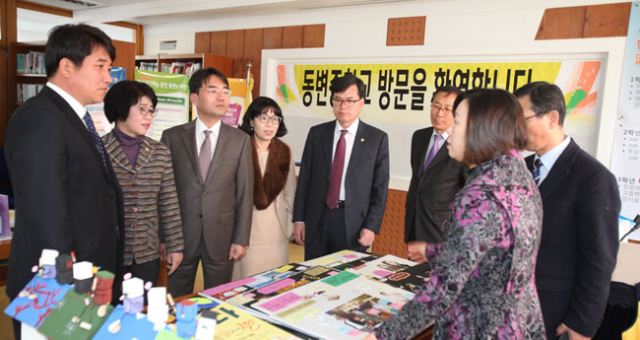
(344, 178)
(214, 177)
(435, 179)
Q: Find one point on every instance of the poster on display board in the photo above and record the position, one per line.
(397, 95)
(172, 91)
(625, 159)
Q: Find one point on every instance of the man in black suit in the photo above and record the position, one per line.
(581, 204)
(344, 177)
(435, 179)
(67, 196)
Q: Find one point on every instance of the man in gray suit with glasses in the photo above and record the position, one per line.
(214, 178)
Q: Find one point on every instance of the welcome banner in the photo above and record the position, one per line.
(401, 92)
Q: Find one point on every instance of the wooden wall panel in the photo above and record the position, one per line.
(562, 23)
(292, 36)
(272, 38)
(203, 42)
(140, 40)
(406, 31)
(253, 53)
(611, 20)
(246, 46)
(313, 36)
(235, 50)
(218, 45)
(391, 237)
(125, 56)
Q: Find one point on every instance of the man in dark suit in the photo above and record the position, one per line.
(581, 204)
(435, 178)
(214, 178)
(67, 196)
(344, 177)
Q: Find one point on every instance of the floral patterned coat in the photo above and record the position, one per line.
(482, 283)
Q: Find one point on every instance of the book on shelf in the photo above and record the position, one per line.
(30, 63)
(26, 91)
(148, 66)
(179, 67)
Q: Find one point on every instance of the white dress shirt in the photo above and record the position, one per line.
(75, 105)
(349, 138)
(550, 158)
(213, 138)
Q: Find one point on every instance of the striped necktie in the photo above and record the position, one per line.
(96, 138)
(537, 164)
(204, 159)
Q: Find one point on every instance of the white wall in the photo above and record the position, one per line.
(454, 29)
(185, 43)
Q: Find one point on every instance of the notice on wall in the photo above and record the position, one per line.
(398, 95)
(173, 99)
(625, 160)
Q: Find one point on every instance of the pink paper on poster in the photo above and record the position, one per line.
(382, 273)
(280, 302)
(276, 286)
(227, 286)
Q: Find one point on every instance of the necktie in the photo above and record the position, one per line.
(96, 138)
(432, 153)
(333, 195)
(536, 170)
(204, 159)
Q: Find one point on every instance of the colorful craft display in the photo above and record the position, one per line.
(337, 300)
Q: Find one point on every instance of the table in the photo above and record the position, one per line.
(5, 249)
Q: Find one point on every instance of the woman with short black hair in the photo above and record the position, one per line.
(145, 172)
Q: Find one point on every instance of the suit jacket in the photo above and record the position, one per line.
(579, 237)
(366, 181)
(430, 193)
(65, 197)
(220, 209)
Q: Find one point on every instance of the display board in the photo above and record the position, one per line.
(172, 91)
(625, 160)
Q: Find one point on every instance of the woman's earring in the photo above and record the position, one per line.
(251, 129)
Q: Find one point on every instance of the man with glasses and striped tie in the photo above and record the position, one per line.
(344, 177)
(581, 204)
(435, 179)
(214, 178)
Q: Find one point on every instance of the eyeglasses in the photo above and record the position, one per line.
(264, 119)
(536, 114)
(218, 92)
(350, 102)
(439, 107)
(145, 111)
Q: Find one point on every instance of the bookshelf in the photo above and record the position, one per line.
(23, 81)
(155, 62)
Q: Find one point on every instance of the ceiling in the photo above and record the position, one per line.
(149, 12)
